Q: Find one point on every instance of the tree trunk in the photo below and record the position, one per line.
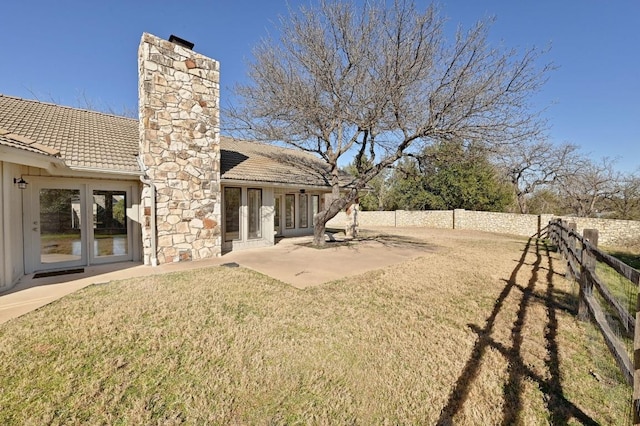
(321, 219)
(318, 232)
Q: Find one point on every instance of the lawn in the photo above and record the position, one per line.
(480, 330)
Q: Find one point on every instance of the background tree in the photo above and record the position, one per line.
(587, 185)
(532, 165)
(624, 203)
(373, 82)
(407, 189)
(547, 200)
(450, 176)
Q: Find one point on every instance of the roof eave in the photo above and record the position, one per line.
(31, 159)
(245, 182)
(83, 170)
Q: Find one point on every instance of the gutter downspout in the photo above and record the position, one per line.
(154, 249)
(145, 180)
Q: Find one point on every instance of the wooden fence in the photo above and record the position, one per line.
(581, 253)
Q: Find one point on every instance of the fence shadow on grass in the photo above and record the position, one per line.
(561, 410)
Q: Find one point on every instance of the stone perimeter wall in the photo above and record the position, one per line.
(180, 148)
(611, 232)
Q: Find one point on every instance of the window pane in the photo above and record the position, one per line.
(109, 223)
(304, 210)
(60, 225)
(254, 197)
(232, 199)
(315, 205)
(290, 210)
(276, 216)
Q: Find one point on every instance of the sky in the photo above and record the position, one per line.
(65, 51)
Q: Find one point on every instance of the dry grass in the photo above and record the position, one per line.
(479, 331)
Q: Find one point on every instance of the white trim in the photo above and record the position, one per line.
(96, 170)
(29, 158)
(31, 226)
(6, 259)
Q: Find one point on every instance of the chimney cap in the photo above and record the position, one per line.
(180, 41)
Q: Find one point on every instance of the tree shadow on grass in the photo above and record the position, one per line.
(561, 410)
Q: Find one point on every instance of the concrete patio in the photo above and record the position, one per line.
(290, 261)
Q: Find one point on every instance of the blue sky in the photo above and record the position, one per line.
(63, 50)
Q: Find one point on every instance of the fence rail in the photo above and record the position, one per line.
(581, 253)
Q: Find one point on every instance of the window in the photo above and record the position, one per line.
(232, 200)
(304, 210)
(315, 205)
(290, 211)
(254, 201)
(276, 216)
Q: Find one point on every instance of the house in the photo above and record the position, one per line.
(80, 187)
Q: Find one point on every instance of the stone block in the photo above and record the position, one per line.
(183, 228)
(163, 226)
(180, 66)
(185, 255)
(173, 219)
(165, 241)
(205, 253)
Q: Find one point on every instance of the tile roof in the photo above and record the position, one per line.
(85, 139)
(15, 141)
(259, 162)
(89, 139)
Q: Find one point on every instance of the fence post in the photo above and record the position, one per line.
(636, 366)
(569, 250)
(588, 264)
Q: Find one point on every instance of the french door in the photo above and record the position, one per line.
(74, 224)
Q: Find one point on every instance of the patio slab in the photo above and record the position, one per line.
(301, 266)
(291, 261)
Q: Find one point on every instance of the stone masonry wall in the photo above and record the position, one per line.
(180, 148)
(428, 219)
(611, 232)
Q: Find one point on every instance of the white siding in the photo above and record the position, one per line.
(11, 240)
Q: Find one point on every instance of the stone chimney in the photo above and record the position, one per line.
(180, 150)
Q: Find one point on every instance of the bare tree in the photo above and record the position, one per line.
(532, 165)
(375, 82)
(626, 200)
(84, 101)
(588, 185)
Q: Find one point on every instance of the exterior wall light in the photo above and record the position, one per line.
(22, 184)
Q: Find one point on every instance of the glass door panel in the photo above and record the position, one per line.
(276, 217)
(110, 223)
(290, 211)
(61, 238)
(254, 204)
(232, 200)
